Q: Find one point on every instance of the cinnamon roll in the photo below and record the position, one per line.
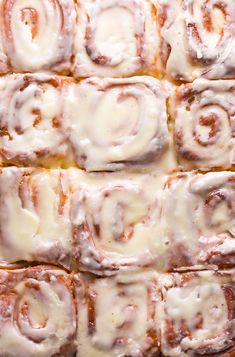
(130, 121)
(115, 38)
(32, 127)
(37, 313)
(198, 220)
(198, 38)
(115, 226)
(34, 216)
(204, 132)
(116, 317)
(37, 35)
(199, 315)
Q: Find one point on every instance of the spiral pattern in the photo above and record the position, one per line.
(32, 128)
(130, 122)
(204, 130)
(199, 314)
(115, 38)
(117, 317)
(37, 311)
(198, 38)
(198, 219)
(37, 34)
(114, 227)
(34, 216)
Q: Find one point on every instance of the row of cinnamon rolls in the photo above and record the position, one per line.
(112, 124)
(107, 223)
(185, 39)
(45, 312)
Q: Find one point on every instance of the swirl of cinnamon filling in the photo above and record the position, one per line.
(204, 130)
